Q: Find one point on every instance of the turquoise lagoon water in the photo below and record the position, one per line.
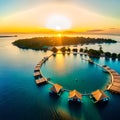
(21, 99)
(74, 73)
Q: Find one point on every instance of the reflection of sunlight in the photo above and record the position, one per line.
(59, 35)
(60, 63)
(59, 52)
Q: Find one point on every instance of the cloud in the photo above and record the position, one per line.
(112, 28)
(95, 30)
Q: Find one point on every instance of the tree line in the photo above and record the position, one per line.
(91, 52)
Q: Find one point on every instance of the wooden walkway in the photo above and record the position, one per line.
(39, 78)
(114, 86)
(115, 80)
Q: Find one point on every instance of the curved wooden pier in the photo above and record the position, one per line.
(39, 78)
(115, 80)
(114, 86)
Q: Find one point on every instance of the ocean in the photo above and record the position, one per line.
(22, 99)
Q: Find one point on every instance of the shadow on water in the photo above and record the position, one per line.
(90, 64)
(113, 59)
(107, 58)
(68, 53)
(75, 109)
(53, 96)
(74, 106)
(101, 105)
(63, 53)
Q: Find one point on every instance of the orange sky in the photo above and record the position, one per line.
(71, 17)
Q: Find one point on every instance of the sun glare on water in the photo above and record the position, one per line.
(58, 22)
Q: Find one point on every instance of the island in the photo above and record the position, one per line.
(40, 43)
(3, 36)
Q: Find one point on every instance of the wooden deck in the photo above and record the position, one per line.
(115, 81)
(39, 78)
(114, 89)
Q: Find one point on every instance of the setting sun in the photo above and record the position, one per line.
(59, 59)
(58, 22)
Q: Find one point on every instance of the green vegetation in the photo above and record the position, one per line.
(81, 49)
(107, 54)
(74, 50)
(43, 43)
(86, 50)
(94, 53)
(54, 49)
(68, 49)
(118, 56)
(114, 55)
(63, 49)
(39, 42)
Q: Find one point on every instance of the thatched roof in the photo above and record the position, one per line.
(75, 95)
(99, 95)
(56, 88)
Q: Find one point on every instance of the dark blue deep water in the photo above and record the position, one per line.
(21, 99)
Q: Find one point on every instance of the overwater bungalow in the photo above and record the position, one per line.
(56, 88)
(37, 74)
(40, 81)
(99, 96)
(37, 69)
(74, 95)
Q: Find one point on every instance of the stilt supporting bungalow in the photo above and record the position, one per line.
(75, 96)
(98, 96)
(56, 88)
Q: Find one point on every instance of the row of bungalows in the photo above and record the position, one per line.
(39, 78)
(115, 82)
(75, 96)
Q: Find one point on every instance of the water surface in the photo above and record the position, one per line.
(21, 99)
